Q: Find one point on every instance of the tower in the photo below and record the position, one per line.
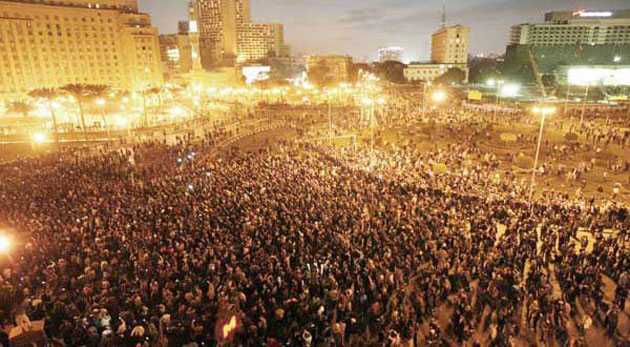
(443, 22)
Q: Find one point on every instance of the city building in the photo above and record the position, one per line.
(285, 68)
(57, 42)
(228, 36)
(176, 55)
(337, 68)
(569, 38)
(390, 54)
(449, 45)
(449, 50)
(258, 41)
(430, 71)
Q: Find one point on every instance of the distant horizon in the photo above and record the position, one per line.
(360, 27)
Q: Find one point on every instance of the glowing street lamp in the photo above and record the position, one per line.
(509, 90)
(544, 112)
(439, 96)
(5, 244)
(372, 103)
(121, 122)
(39, 137)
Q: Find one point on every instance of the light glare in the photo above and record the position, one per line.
(5, 244)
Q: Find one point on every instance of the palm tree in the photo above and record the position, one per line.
(80, 92)
(20, 107)
(48, 94)
(100, 91)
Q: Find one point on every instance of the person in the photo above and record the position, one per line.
(611, 321)
(353, 247)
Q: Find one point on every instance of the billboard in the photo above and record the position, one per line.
(475, 95)
(256, 73)
(599, 76)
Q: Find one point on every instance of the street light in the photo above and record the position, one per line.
(5, 244)
(509, 90)
(544, 111)
(439, 96)
(424, 99)
(370, 102)
(39, 137)
(382, 101)
(588, 85)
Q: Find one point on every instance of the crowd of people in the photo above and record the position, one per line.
(161, 244)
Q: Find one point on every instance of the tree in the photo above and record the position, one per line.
(100, 92)
(391, 71)
(80, 92)
(453, 75)
(20, 107)
(48, 94)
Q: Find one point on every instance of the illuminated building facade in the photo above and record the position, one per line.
(428, 71)
(449, 50)
(578, 27)
(449, 45)
(56, 42)
(390, 54)
(337, 67)
(596, 38)
(228, 36)
(257, 41)
(176, 55)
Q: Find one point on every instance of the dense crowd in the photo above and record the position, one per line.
(307, 246)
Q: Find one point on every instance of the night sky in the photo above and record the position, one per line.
(360, 27)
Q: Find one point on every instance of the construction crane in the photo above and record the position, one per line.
(532, 61)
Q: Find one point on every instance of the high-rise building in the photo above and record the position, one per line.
(56, 42)
(449, 50)
(390, 54)
(449, 45)
(571, 28)
(258, 41)
(569, 38)
(228, 36)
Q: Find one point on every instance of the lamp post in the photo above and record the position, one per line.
(544, 111)
(370, 102)
(424, 99)
(584, 105)
(439, 97)
(6, 244)
(566, 103)
(330, 126)
(498, 93)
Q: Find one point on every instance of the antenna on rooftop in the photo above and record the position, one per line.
(443, 22)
